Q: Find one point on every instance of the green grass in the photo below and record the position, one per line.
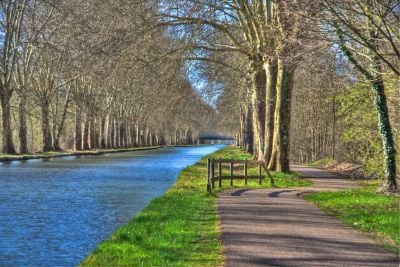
(180, 228)
(366, 210)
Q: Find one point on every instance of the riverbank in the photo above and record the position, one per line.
(180, 228)
(55, 154)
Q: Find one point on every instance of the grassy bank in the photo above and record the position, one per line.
(321, 163)
(374, 214)
(54, 154)
(178, 229)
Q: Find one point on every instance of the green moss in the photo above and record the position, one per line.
(181, 228)
(366, 210)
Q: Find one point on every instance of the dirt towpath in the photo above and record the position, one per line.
(276, 227)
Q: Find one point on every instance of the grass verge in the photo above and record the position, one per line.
(67, 153)
(370, 212)
(180, 228)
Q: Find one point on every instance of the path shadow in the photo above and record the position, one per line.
(277, 193)
(238, 193)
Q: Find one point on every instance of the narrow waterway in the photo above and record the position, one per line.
(54, 212)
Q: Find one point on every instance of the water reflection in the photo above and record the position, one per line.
(53, 213)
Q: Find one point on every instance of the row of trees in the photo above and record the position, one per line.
(92, 74)
(264, 34)
(114, 73)
(334, 117)
(261, 44)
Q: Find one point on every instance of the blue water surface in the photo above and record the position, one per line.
(54, 212)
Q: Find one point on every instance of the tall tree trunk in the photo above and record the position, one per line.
(23, 128)
(272, 73)
(333, 151)
(118, 133)
(60, 128)
(142, 138)
(92, 132)
(133, 134)
(86, 133)
(137, 134)
(46, 128)
(105, 123)
(258, 100)
(157, 139)
(189, 138)
(122, 135)
(8, 143)
(111, 141)
(281, 140)
(98, 132)
(242, 135)
(78, 129)
(149, 138)
(385, 130)
(128, 134)
(182, 137)
(102, 128)
(249, 129)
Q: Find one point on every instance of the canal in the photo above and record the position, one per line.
(54, 212)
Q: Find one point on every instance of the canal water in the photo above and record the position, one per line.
(54, 212)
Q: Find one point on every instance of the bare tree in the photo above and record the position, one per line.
(12, 14)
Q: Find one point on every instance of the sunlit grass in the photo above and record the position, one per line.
(181, 228)
(321, 162)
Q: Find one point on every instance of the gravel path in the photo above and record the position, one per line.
(276, 227)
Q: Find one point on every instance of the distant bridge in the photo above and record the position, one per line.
(215, 139)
